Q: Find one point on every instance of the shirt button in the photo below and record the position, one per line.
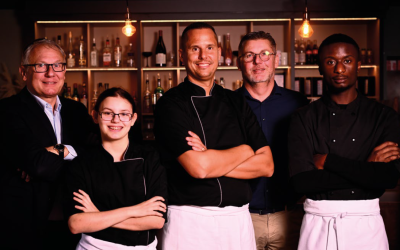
(333, 113)
(263, 119)
(354, 139)
(333, 140)
(352, 192)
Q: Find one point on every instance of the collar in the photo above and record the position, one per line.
(131, 152)
(196, 90)
(45, 105)
(276, 90)
(351, 107)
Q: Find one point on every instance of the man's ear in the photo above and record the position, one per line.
(22, 71)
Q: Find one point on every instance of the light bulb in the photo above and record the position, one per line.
(305, 30)
(128, 29)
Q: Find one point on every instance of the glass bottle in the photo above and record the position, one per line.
(296, 51)
(309, 52)
(107, 54)
(100, 88)
(82, 53)
(363, 56)
(131, 57)
(370, 59)
(69, 93)
(65, 90)
(228, 51)
(71, 54)
(75, 95)
(169, 81)
(221, 59)
(147, 97)
(94, 98)
(106, 86)
(84, 99)
(59, 41)
(159, 91)
(315, 53)
(93, 55)
(118, 53)
(302, 53)
(222, 82)
(161, 52)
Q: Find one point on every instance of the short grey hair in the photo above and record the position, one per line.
(38, 43)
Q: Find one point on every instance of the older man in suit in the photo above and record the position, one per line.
(40, 133)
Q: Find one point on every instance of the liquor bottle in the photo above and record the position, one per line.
(106, 86)
(309, 52)
(296, 51)
(71, 54)
(222, 82)
(370, 59)
(302, 53)
(154, 101)
(228, 51)
(94, 98)
(100, 88)
(315, 53)
(131, 57)
(84, 99)
(221, 59)
(161, 52)
(82, 53)
(159, 91)
(363, 56)
(169, 81)
(93, 55)
(59, 41)
(107, 54)
(147, 97)
(65, 90)
(117, 53)
(68, 93)
(75, 95)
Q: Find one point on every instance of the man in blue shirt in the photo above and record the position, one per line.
(273, 106)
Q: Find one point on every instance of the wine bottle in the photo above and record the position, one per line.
(59, 41)
(131, 57)
(315, 53)
(302, 53)
(159, 91)
(228, 51)
(69, 93)
(161, 52)
(93, 55)
(309, 53)
(117, 53)
(75, 95)
(221, 59)
(71, 54)
(107, 54)
(65, 90)
(169, 81)
(296, 51)
(147, 97)
(84, 99)
(82, 53)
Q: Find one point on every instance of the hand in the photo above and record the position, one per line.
(151, 207)
(386, 152)
(195, 142)
(54, 151)
(84, 199)
(319, 160)
(24, 175)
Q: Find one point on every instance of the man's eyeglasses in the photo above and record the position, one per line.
(264, 56)
(123, 117)
(44, 67)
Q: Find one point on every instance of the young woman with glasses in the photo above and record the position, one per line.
(117, 190)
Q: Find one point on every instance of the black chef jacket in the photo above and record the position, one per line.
(112, 185)
(348, 134)
(222, 120)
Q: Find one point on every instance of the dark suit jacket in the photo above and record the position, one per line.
(25, 131)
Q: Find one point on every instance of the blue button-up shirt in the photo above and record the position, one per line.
(55, 120)
(273, 115)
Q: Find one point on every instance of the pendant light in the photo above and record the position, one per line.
(305, 30)
(128, 29)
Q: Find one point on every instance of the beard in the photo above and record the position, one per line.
(252, 80)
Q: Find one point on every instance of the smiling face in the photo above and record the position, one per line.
(200, 55)
(258, 71)
(44, 85)
(114, 130)
(339, 65)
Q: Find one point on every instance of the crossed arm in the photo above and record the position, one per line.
(239, 162)
(144, 216)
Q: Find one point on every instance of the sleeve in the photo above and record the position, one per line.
(304, 175)
(376, 175)
(156, 178)
(255, 136)
(171, 126)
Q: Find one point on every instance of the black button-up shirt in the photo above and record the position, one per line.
(222, 120)
(273, 115)
(347, 134)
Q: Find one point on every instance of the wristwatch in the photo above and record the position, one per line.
(60, 149)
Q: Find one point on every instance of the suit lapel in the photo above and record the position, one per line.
(36, 117)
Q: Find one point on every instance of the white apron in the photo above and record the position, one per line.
(342, 225)
(208, 228)
(89, 243)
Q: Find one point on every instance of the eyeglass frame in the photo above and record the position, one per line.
(113, 117)
(259, 55)
(47, 66)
